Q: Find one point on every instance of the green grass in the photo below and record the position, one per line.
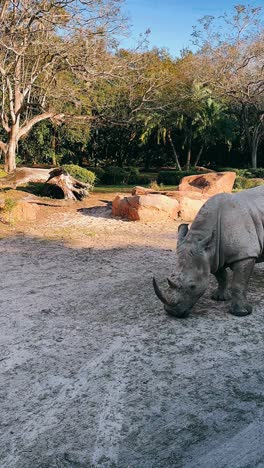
(126, 188)
(2, 173)
(112, 188)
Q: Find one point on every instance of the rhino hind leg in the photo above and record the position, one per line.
(241, 274)
(221, 293)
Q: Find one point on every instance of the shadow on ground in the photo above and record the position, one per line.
(98, 211)
(94, 374)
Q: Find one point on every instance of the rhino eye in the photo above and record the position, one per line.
(192, 286)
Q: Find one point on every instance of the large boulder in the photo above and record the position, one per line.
(25, 211)
(18, 210)
(138, 190)
(151, 207)
(208, 184)
(189, 203)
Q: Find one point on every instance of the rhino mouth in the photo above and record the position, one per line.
(176, 313)
(171, 309)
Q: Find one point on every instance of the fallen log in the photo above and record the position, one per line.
(62, 185)
(23, 175)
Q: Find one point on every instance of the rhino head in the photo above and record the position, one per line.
(191, 278)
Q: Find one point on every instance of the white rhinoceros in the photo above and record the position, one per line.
(228, 231)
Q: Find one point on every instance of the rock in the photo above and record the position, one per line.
(172, 194)
(25, 211)
(19, 211)
(189, 207)
(151, 207)
(209, 184)
(203, 169)
(141, 190)
(190, 203)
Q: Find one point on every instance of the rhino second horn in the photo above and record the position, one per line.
(159, 293)
(171, 283)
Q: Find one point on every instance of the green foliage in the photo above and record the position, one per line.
(99, 173)
(80, 173)
(155, 186)
(144, 179)
(133, 175)
(174, 177)
(114, 175)
(242, 183)
(10, 204)
(36, 188)
(7, 209)
(247, 173)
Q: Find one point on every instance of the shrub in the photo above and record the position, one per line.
(242, 183)
(248, 173)
(80, 173)
(256, 172)
(133, 175)
(99, 174)
(174, 177)
(144, 179)
(9, 206)
(114, 175)
(155, 186)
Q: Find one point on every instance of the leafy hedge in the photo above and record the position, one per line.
(114, 175)
(80, 173)
(242, 183)
(247, 173)
(174, 177)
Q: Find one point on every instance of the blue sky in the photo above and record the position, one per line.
(171, 21)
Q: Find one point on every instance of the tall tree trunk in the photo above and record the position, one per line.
(189, 150)
(174, 151)
(198, 156)
(10, 153)
(53, 146)
(254, 156)
(10, 157)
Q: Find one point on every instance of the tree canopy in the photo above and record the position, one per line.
(70, 94)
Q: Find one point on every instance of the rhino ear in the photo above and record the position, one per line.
(182, 231)
(205, 243)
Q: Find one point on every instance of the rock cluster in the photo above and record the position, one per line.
(148, 205)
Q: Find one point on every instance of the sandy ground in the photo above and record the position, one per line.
(94, 374)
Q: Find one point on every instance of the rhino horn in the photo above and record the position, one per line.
(171, 283)
(159, 293)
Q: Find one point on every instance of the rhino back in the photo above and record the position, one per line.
(237, 224)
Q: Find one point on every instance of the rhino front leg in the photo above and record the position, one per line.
(221, 293)
(241, 273)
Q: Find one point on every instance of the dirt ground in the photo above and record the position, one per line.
(95, 374)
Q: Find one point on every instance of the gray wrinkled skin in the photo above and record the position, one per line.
(228, 231)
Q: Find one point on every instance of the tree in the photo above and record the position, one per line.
(231, 62)
(43, 44)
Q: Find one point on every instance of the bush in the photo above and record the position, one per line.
(2, 173)
(99, 174)
(174, 177)
(258, 173)
(80, 173)
(247, 173)
(144, 179)
(242, 183)
(133, 175)
(114, 175)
